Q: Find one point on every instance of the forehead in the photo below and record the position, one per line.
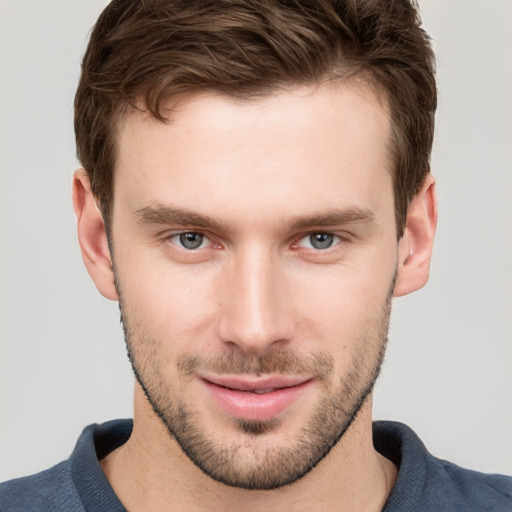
(314, 143)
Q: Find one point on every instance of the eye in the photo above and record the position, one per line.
(319, 241)
(190, 240)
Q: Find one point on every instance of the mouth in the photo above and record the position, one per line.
(256, 399)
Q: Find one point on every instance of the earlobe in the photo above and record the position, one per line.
(415, 247)
(92, 236)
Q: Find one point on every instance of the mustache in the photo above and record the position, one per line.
(282, 362)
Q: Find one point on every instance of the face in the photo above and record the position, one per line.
(255, 254)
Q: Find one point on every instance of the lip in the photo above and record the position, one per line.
(255, 399)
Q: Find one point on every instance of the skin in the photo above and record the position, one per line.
(256, 287)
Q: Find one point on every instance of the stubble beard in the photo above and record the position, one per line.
(271, 467)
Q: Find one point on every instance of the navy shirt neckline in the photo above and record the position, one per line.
(423, 483)
(96, 442)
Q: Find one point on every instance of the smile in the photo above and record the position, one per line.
(256, 400)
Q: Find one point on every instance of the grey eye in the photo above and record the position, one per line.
(191, 240)
(321, 240)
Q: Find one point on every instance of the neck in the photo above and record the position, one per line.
(150, 472)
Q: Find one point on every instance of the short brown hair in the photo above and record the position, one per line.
(152, 49)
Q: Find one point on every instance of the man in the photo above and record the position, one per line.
(256, 190)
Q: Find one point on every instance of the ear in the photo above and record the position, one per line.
(415, 247)
(92, 236)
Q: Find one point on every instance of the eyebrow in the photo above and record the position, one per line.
(331, 218)
(168, 215)
(162, 214)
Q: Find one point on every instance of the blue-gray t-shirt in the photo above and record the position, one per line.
(424, 482)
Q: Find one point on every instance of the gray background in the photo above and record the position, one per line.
(62, 361)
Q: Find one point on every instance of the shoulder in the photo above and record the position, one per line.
(426, 483)
(468, 490)
(51, 490)
(75, 485)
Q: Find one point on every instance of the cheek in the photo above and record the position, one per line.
(170, 304)
(352, 287)
(343, 306)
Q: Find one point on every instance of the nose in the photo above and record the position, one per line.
(255, 303)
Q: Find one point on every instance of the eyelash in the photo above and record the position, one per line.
(179, 242)
(176, 239)
(336, 240)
